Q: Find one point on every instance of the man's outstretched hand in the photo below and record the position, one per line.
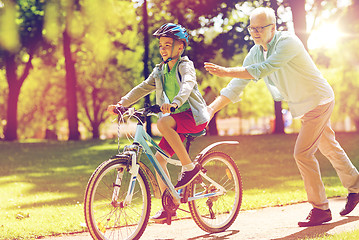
(215, 69)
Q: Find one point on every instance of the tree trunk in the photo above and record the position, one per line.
(212, 126)
(13, 97)
(71, 84)
(145, 60)
(95, 131)
(279, 123)
(356, 123)
(299, 20)
(96, 112)
(15, 84)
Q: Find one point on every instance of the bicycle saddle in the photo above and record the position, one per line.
(201, 133)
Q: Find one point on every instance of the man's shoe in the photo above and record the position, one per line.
(352, 201)
(316, 217)
(187, 177)
(161, 216)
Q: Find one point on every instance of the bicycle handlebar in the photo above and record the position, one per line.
(148, 109)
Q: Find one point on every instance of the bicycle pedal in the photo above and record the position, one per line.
(162, 221)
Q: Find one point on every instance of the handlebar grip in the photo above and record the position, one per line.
(172, 109)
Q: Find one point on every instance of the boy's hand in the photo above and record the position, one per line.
(111, 109)
(166, 108)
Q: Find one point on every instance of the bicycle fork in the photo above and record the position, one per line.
(117, 185)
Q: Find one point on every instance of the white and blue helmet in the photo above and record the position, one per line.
(174, 31)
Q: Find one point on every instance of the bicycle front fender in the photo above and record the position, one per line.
(208, 148)
(153, 181)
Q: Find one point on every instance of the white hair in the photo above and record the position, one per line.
(269, 12)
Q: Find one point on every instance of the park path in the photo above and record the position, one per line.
(268, 223)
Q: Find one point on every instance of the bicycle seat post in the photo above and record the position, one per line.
(191, 136)
(189, 139)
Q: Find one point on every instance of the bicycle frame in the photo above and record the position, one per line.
(118, 194)
(140, 139)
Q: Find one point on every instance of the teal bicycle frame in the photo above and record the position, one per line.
(140, 139)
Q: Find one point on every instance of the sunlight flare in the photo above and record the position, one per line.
(326, 36)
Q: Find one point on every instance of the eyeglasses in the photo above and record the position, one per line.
(258, 29)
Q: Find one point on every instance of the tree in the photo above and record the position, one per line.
(146, 72)
(107, 56)
(278, 122)
(71, 77)
(105, 73)
(59, 16)
(3, 93)
(71, 88)
(299, 19)
(25, 39)
(349, 66)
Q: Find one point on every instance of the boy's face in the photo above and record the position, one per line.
(166, 45)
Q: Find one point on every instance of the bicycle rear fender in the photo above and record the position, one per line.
(208, 148)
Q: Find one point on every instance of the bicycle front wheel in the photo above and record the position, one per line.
(107, 218)
(217, 213)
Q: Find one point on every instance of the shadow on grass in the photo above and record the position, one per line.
(321, 230)
(265, 162)
(58, 168)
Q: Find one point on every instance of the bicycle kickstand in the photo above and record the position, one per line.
(169, 219)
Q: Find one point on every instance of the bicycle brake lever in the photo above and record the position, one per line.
(152, 109)
(120, 109)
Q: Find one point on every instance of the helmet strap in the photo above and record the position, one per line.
(167, 60)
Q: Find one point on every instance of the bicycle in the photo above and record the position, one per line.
(118, 195)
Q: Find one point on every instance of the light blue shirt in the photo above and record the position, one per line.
(289, 73)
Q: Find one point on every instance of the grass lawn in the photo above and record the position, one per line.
(42, 184)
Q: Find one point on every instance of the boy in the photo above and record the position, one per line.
(175, 80)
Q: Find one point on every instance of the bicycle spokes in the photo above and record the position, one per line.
(214, 204)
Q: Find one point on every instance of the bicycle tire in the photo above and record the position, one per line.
(225, 208)
(103, 219)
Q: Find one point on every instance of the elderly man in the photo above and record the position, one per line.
(290, 74)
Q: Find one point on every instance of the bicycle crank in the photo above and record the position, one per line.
(169, 205)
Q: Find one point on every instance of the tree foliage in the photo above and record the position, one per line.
(21, 30)
(107, 47)
(340, 64)
(347, 60)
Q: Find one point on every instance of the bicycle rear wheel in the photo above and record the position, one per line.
(217, 213)
(108, 219)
